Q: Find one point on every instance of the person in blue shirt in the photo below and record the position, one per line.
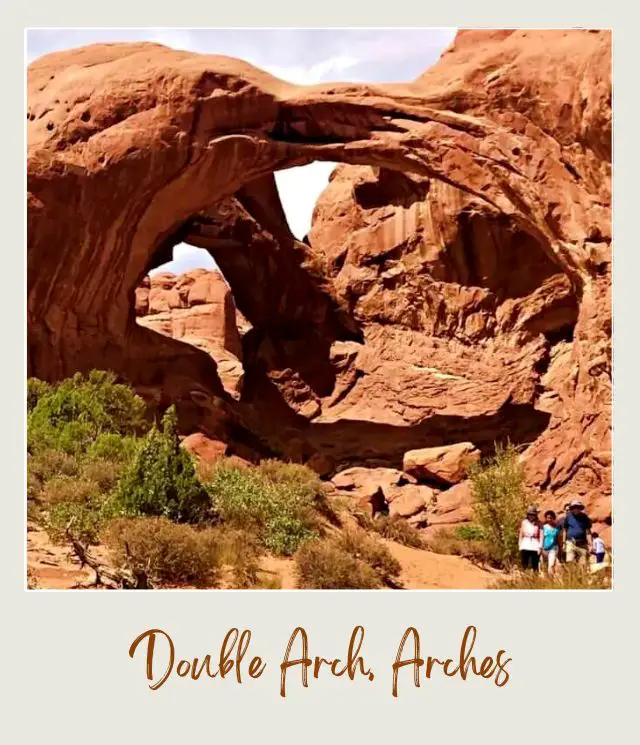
(577, 532)
(551, 538)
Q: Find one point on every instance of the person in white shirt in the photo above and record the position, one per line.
(530, 540)
(598, 548)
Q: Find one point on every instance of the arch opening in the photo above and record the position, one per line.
(287, 340)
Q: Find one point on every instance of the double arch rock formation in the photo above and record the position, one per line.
(455, 284)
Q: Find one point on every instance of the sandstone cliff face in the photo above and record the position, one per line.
(456, 283)
(196, 308)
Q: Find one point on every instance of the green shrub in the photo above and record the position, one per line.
(350, 560)
(301, 483)
(35, 390)
(70, 415)
(500, 501)
(81, 520)
(396, 528)
(167, 553)
(240, 496)
(470, 533)
(113, 447)
(277, 501)
(284, 534)
(161, 480)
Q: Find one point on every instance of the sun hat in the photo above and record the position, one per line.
(575, 503)
(532, 510)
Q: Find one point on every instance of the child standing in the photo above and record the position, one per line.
(550, 541)
(598, 548)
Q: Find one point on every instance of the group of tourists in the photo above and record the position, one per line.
(567, 538)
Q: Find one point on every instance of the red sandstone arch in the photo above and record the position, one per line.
(128, 144)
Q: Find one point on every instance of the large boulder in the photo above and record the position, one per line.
(384, 489)
(204, 449)
(452, 506)
(447, 464)
(365, 482)
(408, 500)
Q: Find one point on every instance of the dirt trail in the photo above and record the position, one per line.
(425, 570)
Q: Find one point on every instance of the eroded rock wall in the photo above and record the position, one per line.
(456, 283)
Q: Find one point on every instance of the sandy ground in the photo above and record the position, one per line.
(54, 567)
(424, 570)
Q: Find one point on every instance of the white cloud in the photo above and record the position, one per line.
(324, 70)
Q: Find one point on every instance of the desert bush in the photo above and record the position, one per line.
(478, 551)
(104, 473)
(166, 552)
(47, 463)
(396, 528)
(567, 577)
(350, 560)
(322, 565)
(276, 501)
(70, 415)
(371, 550)
(500, 500)
(59, 489)
(83, 521)
(39, 468)
(240, 552)
(301, 482)
(161, 480)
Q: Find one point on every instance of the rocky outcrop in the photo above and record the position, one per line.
(445, 465)
(196, 308)
(452, 506)
(455, 286)
(385, 490)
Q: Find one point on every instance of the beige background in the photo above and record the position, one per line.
(66, 674)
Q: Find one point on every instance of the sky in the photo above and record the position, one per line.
(304, 56)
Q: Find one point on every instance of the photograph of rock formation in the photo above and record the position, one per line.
(319, 309)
